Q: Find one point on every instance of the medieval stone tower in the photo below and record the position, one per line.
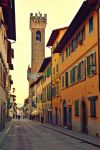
(37, 27)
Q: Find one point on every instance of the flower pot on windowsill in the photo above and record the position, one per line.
(80, 42)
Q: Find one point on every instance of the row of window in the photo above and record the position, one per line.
(78, 40)
(92, 107)
(2, 74)
(46, 94)
(78, 72)
(55, 90)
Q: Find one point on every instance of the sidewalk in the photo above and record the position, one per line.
(3, 134)
(79, 136)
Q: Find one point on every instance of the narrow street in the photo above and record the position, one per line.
(27, 135)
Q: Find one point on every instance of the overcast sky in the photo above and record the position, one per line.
(59, 14)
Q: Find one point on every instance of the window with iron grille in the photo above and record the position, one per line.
(93, 107)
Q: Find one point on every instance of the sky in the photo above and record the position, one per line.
(59, 14)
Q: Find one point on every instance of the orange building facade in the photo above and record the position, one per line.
(79, 71)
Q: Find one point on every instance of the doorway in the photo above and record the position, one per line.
(64, 113)
(83, 118)
(56, 115)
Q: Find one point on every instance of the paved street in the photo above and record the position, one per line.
(26, 135)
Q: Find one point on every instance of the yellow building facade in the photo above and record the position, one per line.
(53, 41)
(45, 69)
(79, 70)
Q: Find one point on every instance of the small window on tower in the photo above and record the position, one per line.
(38, 36)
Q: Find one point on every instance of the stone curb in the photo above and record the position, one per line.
(4, 133)
(70, 135)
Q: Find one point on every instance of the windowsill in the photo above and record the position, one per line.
(93, 117)
(55, 96)
(92, 75)
(77, 82)
(76, 115)
(56, 73)
(90, 33)
(63, 88)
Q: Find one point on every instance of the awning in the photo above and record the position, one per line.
(35, 112)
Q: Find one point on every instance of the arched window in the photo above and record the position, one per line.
(38, 36)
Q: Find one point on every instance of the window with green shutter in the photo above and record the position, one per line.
(74, 44)
(67, 51)
(66, 79)
(93, 63)
(48, 72)
(88, 65)
(83, 69)
(71, 77)
(76, 107)
(80, 71)
(74, 75)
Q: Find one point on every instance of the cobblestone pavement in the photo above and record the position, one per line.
(26, 135)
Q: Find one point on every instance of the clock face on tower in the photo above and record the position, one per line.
(38, 36)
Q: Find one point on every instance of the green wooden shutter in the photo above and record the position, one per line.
(77, 108)
(88, 65)
(49, 71)
(79, 71)
(71, 79)
(74, 75)
(66, 79)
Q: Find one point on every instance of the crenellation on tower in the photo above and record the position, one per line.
(38, 20)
